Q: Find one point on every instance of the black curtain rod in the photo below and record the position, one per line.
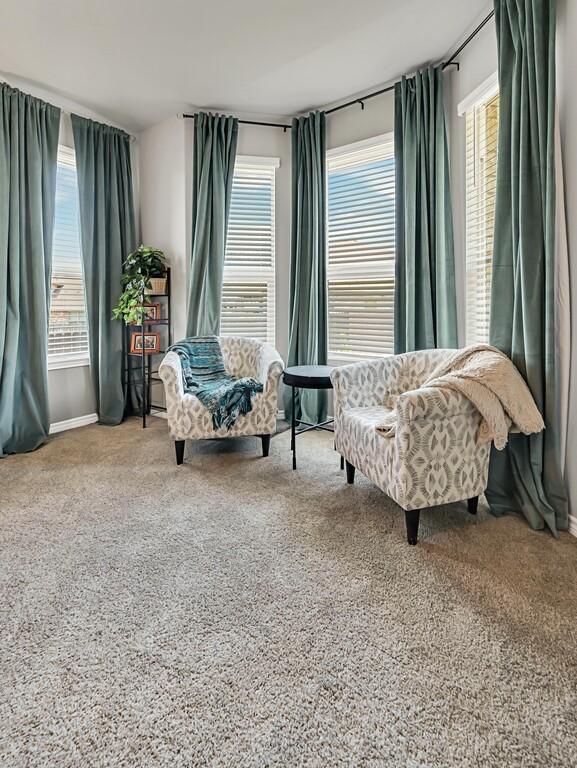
(451, 60)
(361, 99)
(251, 122)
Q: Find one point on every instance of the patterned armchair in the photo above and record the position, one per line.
(188, 419)
(433, 458)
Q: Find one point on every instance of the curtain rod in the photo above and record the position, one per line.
(451, 60)
(361, 99)
(250, 122)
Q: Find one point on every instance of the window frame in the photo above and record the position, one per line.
(60, 360)
(367, 271)
(479, 97)
(253, 275)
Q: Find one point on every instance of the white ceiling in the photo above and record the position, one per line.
(139, 61)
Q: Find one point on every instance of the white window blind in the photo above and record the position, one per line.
(361, 249)
(482, 130)
(68, 330)
(247, 307)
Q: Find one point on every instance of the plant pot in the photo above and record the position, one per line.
(157, 285)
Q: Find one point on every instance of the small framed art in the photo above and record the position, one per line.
(151, 343)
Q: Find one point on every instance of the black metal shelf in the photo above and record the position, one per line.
(146, 374)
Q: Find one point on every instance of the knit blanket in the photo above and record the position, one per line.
(486, 377)
(204, 376)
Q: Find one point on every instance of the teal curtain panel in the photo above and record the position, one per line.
(215, 140)
(308, 284)
(28, 153)
(107, 235)
(425, 299)
(527, 478)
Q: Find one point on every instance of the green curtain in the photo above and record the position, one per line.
(526, 477)
(107, 235)
(308, 288)
(425, 299)
(215, 140)
(28, 153)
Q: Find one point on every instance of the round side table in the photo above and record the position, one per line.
(306, 377)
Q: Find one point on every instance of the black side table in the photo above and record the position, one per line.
(306, 377)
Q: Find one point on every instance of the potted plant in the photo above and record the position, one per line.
(144, 272)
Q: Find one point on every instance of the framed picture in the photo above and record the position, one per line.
(151, 311)
(151, 343)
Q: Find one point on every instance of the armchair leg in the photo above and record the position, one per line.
(472, 505)
(412, 523)
(350, 472)
(179, 448)
(265, 444)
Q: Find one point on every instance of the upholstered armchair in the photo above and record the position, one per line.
(188, 419)
(433, 458)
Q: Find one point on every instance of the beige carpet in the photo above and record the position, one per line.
(231, 612)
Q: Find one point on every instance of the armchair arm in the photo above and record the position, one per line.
(432, 403)
(170, 371)
(367, 383)
(270, 365)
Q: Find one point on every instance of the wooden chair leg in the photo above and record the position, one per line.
(412, 523)
(350, 472)
(179, 448)
(265, 444)
(473, 504)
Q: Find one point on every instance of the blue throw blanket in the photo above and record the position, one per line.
(204, 376)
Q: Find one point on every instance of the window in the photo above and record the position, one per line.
(68, 330)
(482, 128)
(361, 249)
(247, 307)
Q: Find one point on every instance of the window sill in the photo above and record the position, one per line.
(56, 362)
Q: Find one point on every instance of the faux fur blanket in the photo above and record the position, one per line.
(486, 377)
(204, 376)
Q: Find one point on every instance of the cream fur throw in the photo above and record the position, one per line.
(487, 377)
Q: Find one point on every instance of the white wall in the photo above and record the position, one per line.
(166, 152)
(166, 191)
(355, 124)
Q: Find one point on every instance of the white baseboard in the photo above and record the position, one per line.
(79, 421)
(573, 525)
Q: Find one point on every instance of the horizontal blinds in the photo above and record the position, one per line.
(361, 249)
(68, 331)
(250, 236)
(482, 133)
(361, 317)
(247, 307)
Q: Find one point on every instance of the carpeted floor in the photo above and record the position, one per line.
(231, 612)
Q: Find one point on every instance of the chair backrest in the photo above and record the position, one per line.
(240, 355)
(418, 366)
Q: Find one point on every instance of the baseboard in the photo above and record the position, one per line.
(573, 525)
(79, 421)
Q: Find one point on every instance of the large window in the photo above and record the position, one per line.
(68, 331)
(361, 249)
(248, 287)
(482, 118)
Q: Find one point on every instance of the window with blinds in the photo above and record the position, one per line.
(68, 329)
(247, 307)
(482, 119)
(361, 249)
